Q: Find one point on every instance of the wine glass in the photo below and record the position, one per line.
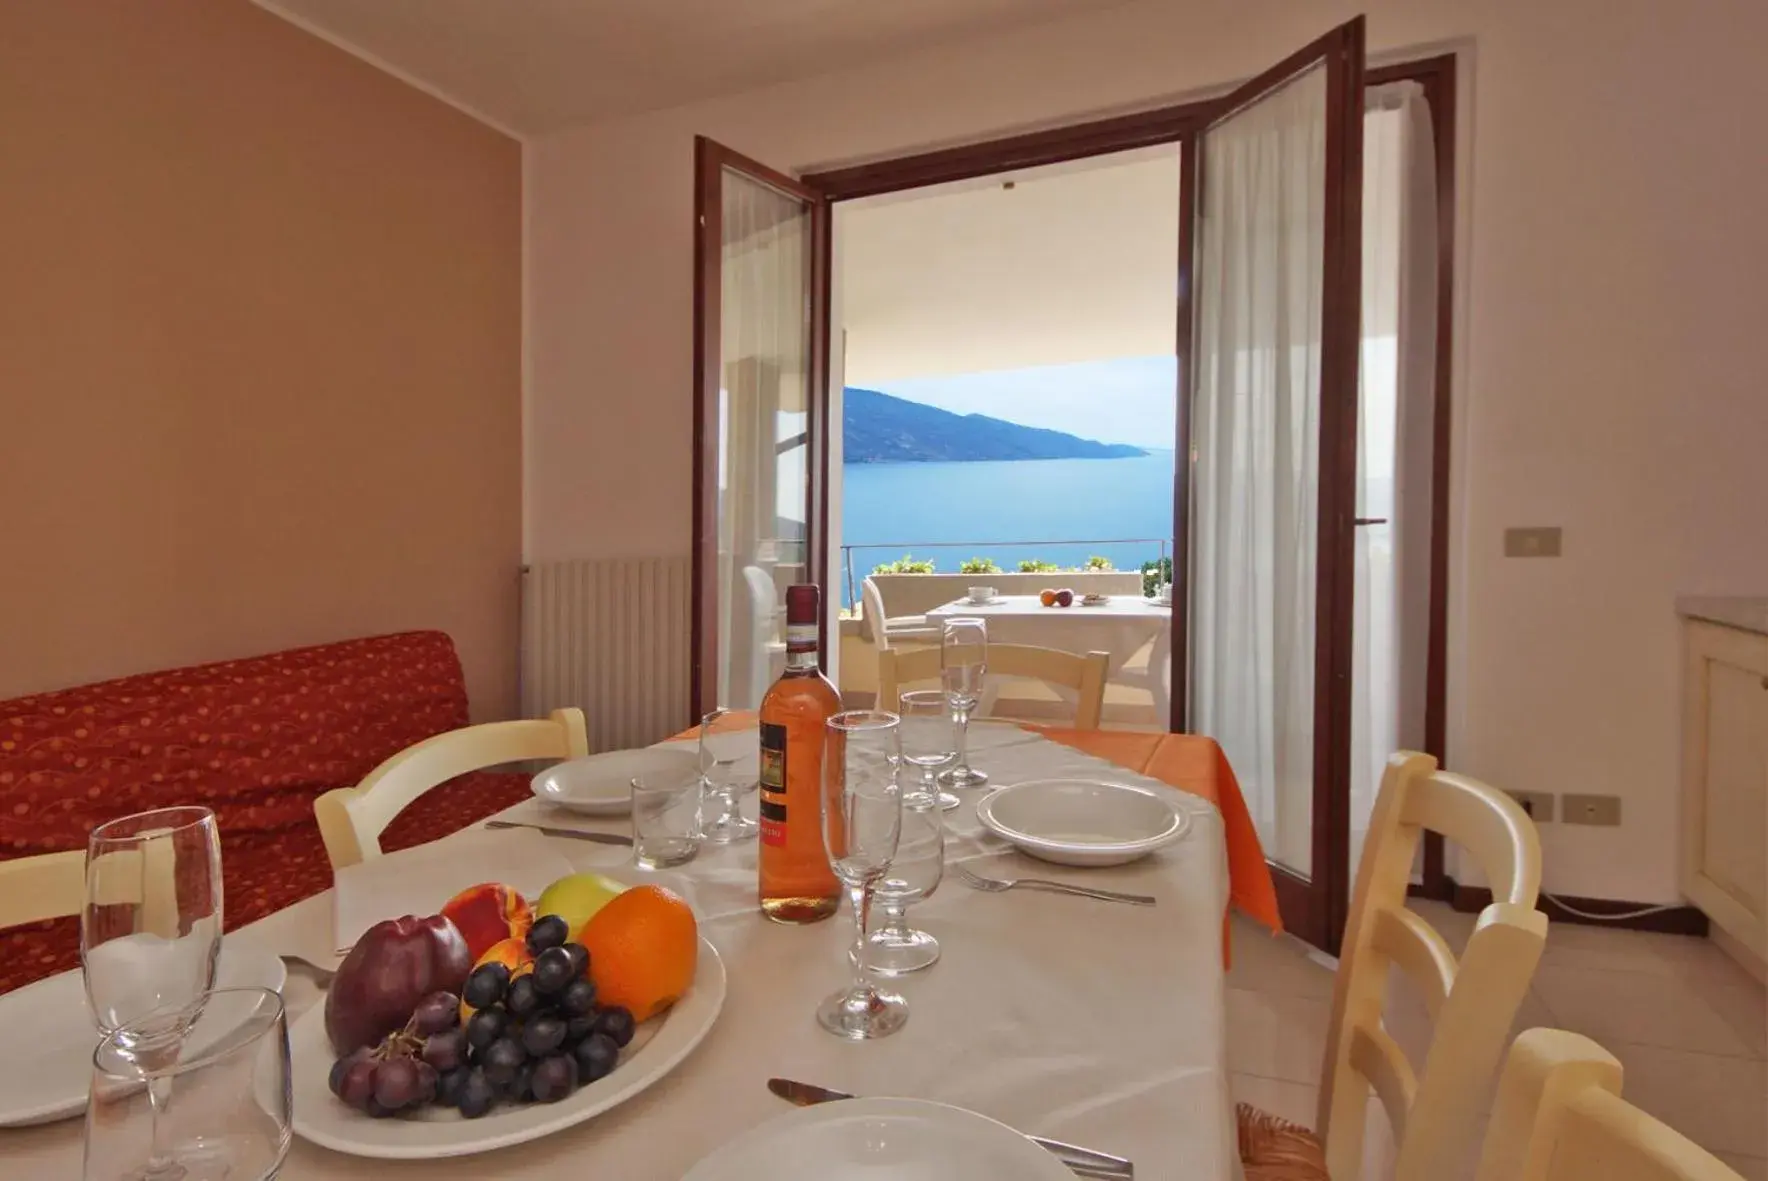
(231, 1076)
(862, 820)
(150, 933)
(722, 822)
(928, 742)
(963, 668)
(915, 872)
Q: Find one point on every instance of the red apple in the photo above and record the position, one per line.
(1064, 598)
(395, 964)
(487, 914)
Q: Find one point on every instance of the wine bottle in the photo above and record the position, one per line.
(796, 883)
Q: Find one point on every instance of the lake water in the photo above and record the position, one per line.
(1024, 507)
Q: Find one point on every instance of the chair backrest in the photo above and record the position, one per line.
(47, 886)
(872, 599)
(1084, 675)
(1559, 1116)
(1472, 1003)
(351, 819)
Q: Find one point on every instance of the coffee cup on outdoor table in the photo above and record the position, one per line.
(982, 594)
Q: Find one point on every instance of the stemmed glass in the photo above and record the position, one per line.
(150, 933)
(232, 1078)
(722, 820)
(928, 742)
(963, 668)
(862, 821)
(915, 872)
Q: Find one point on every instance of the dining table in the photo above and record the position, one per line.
(1119, 626)
(1080, 1020)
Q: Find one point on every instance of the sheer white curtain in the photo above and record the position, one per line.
(1255, 441)
(1396, 400)
(764, 346)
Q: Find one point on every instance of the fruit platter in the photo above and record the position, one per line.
(498, 1020)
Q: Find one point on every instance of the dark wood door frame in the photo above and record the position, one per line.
(711, 161)
(1180, 124)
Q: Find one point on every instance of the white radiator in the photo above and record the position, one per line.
(609, 636)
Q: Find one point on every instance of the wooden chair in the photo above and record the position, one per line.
(47, 886)
(1560, 1117)
(1085, 675)
(1471, 1003)
(885, 629)
(351, 819)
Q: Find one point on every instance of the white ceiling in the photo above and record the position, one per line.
(532, 66)
(1076, 262)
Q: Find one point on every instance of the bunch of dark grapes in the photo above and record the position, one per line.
(532, 1038)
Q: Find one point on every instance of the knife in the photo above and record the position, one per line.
(1085, 1161)
(576, 834)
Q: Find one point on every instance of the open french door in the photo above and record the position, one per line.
(761, 253)
(1268, 337)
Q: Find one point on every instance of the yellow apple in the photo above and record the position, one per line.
(577, 898)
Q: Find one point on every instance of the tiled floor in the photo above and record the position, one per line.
(1689, 1026)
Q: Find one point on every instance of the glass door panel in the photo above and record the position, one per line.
(758, 422)
(1273, 459)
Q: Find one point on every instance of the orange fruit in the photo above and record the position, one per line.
(643, 947)
(1047, 598)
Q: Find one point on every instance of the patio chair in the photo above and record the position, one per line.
(885, 629)
(1084, 676)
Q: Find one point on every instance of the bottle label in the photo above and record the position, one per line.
(802, 637)
(773, 784)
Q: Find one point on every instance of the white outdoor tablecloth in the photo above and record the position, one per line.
(1096, 1023)
(1120, 628)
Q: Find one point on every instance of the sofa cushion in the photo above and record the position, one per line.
(257, 739)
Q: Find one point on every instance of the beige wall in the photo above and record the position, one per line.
(1611, 263)
(260, 349)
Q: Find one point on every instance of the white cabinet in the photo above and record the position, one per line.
(1725, 779)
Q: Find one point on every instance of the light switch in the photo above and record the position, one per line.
(1538, 541)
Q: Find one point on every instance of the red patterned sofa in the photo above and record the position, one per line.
(257, 740)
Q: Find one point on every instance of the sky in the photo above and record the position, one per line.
(1124, 400)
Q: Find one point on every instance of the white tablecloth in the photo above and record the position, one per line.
(1096, 1023)
(1120, 628)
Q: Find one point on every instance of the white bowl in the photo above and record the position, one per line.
(601, 785)
(1082, 821)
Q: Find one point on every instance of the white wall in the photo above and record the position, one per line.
(1611, 254)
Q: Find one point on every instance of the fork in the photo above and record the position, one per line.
(997, 885)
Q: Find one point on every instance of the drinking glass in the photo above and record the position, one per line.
(231, 1080)
(895, 947)
(862, 820)
(929, 741)
(150, 932)
(665, 819)
(963, 668)
(722, 821)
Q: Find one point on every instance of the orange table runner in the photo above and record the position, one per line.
(1188, 762)
(1196, 765)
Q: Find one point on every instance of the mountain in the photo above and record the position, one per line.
(878, 428)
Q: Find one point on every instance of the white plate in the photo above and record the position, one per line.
(661, 1043)
(49, 1067)
(968, 602)
(1082, 821)
(601, 785)
(898, 1139)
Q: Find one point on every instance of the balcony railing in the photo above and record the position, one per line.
(1064, 552)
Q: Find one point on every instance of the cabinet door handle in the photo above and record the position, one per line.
(1369, 521)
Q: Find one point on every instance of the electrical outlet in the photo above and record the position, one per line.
(1541, 541)
(1604, 810)
(1538, 804)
